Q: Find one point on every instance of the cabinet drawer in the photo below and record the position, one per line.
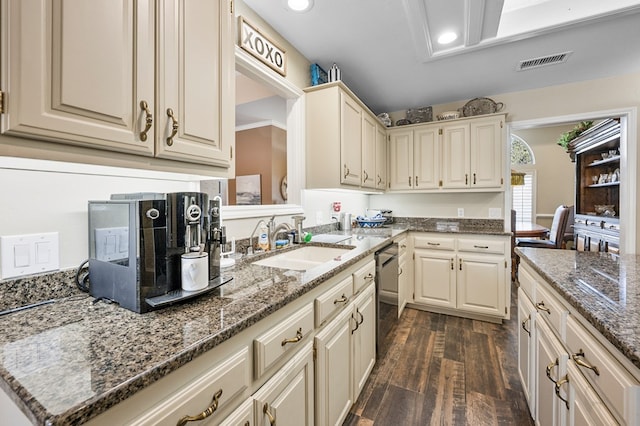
(551, 311)
(527, 282)
(282, 339)
(333, 300)
(228, 380)
(434, 243)
(481, 246)
(614, 384)
(364, 276)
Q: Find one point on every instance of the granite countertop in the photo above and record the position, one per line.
(603, 288)
(68, 361)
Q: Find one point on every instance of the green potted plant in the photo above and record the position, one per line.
(567, 137)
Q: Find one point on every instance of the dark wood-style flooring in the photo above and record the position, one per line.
(444, 370)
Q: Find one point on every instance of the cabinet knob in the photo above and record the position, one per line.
(148, 120)
(206, 413)
(174, 126)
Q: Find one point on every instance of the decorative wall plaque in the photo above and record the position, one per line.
(262, 47)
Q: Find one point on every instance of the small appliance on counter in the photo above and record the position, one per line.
(136, 247)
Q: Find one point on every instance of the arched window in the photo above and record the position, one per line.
(522, 194)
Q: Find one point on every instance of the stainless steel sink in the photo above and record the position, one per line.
(303, 258)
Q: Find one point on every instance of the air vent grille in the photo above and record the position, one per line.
(543, 61)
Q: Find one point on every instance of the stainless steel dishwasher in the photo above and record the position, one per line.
(386, 296)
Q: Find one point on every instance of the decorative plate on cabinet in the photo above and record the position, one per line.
(480, 106)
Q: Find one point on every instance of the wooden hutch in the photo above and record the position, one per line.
(596, 153)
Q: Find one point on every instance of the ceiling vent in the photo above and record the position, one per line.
(543, 61)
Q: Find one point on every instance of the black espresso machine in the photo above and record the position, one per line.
(136, 242)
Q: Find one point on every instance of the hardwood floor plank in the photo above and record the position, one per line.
(444, 370)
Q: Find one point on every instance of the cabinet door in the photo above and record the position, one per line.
(586, 408)
(369, 134)
(481, 284)
(287, 398)
(81, 82)
(486, 153)
(551, 364)
(435, 278)
(426, 158)
(526, 345)
(381, 158)
(405, 283)
(334, 370)
(401, 160)
(350, 140)
(455, 156)
(364, 339)
(192, 77)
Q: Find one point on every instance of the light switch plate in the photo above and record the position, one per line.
(460, 212)
(28, 254)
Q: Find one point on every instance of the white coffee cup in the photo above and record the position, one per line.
(195, 271)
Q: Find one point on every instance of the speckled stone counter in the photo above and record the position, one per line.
(68, 361)
(603, 288)
(464, 226)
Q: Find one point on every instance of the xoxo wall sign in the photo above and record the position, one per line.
(261, 47)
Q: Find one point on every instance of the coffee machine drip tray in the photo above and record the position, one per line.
(180, 295)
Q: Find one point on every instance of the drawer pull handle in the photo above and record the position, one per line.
(541, 307)
(452, 267)
(432, 244)
(357, 324)
(342, 299)
(366, 175)
(346, 171)
(524, 325)
(400, 272)
(466, 179)
(174, 126)
(361, 317)
(148, 120)
(460, 263)
(481, 247)
(379, 180)
(559, 383)
(369, 277)
(579, 359)
(295, 339)
(415, 180)
(474, 178)
(265, 410)
(206, 413)
(549, 368)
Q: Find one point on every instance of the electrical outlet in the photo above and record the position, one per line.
(495, 213)
(460, 212)
(29, 254)
(319, 218)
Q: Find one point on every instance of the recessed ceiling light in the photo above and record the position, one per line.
(300, 5)
(448, 37)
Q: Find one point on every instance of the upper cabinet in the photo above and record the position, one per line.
(449, 155)
(145, 78)
(346, 143)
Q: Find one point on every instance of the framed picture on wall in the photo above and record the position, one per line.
(248, 190)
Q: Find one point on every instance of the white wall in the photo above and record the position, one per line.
(54, 199)
(475, 205)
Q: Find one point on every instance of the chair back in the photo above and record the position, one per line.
(559, 224)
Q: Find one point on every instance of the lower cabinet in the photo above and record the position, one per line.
(526, 348)
(570, 377)
(287, 398)
(241, 416)
(345, 356)
(461, 275)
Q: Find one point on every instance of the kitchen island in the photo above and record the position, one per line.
(579, 340)
(68, 361)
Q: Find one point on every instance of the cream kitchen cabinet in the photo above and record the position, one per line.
(381, 157)
(146, 78)
(457, 155)
(414, 158)
(342, 146)
(526, 348)
(464, 275)
(364, 338)
(287, 398)
(574, 378)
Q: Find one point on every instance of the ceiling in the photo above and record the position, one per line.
(388, 53)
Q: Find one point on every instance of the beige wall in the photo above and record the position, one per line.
(555, 172)
(297, 65)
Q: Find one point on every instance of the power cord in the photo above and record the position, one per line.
(82, 276)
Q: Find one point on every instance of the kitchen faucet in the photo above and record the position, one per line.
(274, 230)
